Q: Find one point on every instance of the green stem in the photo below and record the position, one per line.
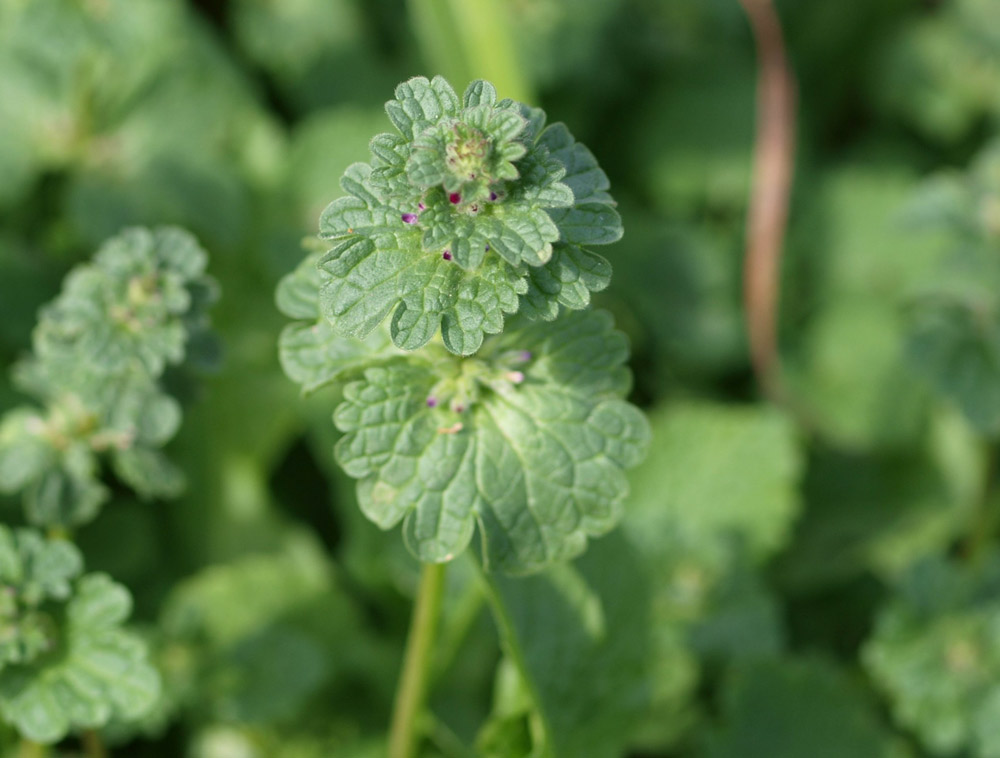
(93, 745)
(31, 749)
(467, 610)
(539, 724)
(470, 39)
(412, 690)
(58, 532)
(485, 33)
(984, 521)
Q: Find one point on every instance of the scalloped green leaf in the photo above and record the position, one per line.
(420, 103)
(38, 569)
(588, 224)
(312, 352)
(583, 175)
(149, 472)
(102, 672)
(935, 654)
(297, 295)
(567, 280)
(66, 663)
(25, 454)
(365, 278)
(534, 457)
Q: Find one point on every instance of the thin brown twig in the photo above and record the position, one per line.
(767, 219)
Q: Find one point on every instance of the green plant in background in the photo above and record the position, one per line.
(473, 210)
(936, 653)
(66, 664)
(100, 351)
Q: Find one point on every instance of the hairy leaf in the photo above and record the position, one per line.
(66, 663)
(936, 654)
(100, 349)
(533, 455)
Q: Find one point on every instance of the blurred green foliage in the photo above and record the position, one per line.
(813, 580)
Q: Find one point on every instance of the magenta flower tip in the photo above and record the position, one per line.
(454, 198)
(421, 206)
(409, 218)
(432, 402)
(446, 255)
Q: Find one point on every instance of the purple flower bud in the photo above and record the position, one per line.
(432, 402)
(493, 197)
(487, 247)
(446, 255)
(409, 218)
(454, 198)
(421, 206)
(525, 355)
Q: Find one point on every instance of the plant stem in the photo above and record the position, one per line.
(485, 33)
(437, 37)
(31, 749)
(470, 39)
(774, 159)
(984, 521)
(412, 690)
(93, 745)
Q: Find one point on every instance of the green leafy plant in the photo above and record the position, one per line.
(526, 438)
(100, 350)
(936, 653)
(66, 662)
(474, 210)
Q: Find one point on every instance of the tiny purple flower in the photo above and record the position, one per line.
(487, 247)
(454, 198)
(446, 255)
(409, 218)
(421, 206)
(432, 402)
(525, 355)
(493, 197)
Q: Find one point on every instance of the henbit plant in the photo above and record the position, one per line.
(66, 663)
(475, 211)
(100, 351)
